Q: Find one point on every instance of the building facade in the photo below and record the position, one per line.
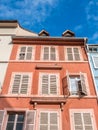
(48, 85)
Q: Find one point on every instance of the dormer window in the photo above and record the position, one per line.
(43, 33)
(68, 33)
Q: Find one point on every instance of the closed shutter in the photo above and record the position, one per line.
(24, 84)
(76, 54)
(87, 121)
(83, 84)
(16, 83)
(78, 121)
(44, 121)
(30, 121)
(95, 59)
(1, 118)
(69, 54)
(45, 84)
(52, 53)
(22, 53)
(29, 53)
(53, 121)
(46, 53)
(53, 84)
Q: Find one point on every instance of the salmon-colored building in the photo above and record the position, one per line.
(48, 85)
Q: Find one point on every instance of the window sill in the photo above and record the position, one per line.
(47, 66)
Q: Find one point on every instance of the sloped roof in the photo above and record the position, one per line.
(43, 33)
(68, 33)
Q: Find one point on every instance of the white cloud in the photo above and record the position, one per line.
(94, 38)
(78, 28)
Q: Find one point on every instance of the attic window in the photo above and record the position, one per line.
(68, 33)
(43, 33)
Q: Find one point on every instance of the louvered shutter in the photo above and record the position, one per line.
(29, 53)
(44, 121)
(87, 121)
(78, 124)
(95, 61)
(24, 84)
(52, 53)
(69, 54)
(1, 118)
(53, 84)
(16, 84)
(53, 121)
(83, 84)
(45, 83)
(22, 53)
(46, 53)
(76, 54)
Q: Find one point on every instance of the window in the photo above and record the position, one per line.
(49, 84)
(17, 120)
(20, 83)
(49, 120)
(75, 84)
(26, 53)
(73, 54)
(82, 120)
(49, 53)
(95, 61)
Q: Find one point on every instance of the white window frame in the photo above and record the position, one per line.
(33, 52)
(12, 81)
(80, 54)
(91, 111)
(50, 111)
(40, 84)
(94, 61)
(42, 53)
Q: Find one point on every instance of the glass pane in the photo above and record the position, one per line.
(19, 126)
(11, 117)
(10, 126)
(21, 117)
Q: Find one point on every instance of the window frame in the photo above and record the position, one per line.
(49, 59)
(12, 82)
(90, 111)
(18, 52)
(57, 82)
(94, 56)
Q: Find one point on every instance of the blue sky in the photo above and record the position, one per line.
(55, 16)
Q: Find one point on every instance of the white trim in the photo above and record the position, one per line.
(91, 111)
(96, 67)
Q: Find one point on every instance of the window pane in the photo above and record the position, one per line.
(19, 126)
(10, 126)
(20, 117)
(11, 117)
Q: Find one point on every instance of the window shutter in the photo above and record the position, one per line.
(22, 53)
(16, 84)
(78, 121)
(29, 53)
(65, 85)
(76, 54)
(54, 121)
(83, 84)
(52, 53)
(45, 84)
(30, 121)
(1, 118)
(44, 121)
(46, 53)
(69, 54)
(24, 84)
(95, 61)
(53, 84)
(87, 121)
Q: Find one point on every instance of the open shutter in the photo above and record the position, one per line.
(1, 118)
(53, 84)
(16, 83)
(45, 84)
(83, 84)
(76, 54)
(69, 54)
(24, 84)
(46, 53)
(65, 86)
(30, 120)
(54, 121)
(29, 53)
(78, 124)
(22, 53)
(44, 121)
(52, 53)
(87, 121)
